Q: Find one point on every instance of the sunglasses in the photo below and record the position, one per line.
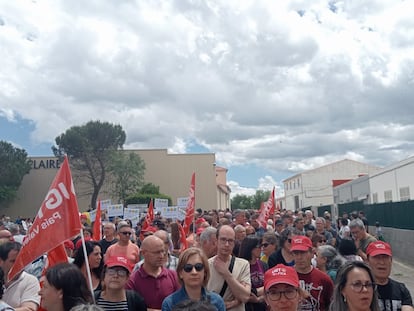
(189, 267)
(125, 233)
(265, 244)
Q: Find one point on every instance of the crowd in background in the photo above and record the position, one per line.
(229, 261)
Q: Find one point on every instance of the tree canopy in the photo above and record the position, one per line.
(127, 174)
(242, 201)
(91, 148)
(14, 166)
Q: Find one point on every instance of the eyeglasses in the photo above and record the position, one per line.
(322, 241)
(265, 244)
(126, 233)
(120, 272)
(189, 267)
(224, 240)
(276, 295)
(358, 286)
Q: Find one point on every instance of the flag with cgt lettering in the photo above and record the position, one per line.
(57, 220)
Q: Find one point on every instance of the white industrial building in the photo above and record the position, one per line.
(354, 190)
(314, 187)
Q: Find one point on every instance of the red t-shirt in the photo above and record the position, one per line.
(320, 287)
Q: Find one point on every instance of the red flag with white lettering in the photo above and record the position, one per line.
(57, 220)
(97, 224)
(189, 213)
(267, 209)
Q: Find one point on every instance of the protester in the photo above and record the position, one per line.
(355, 289)
(320, 224)
(361, 237)
(64, 287)
(393, 295)
(109, 237)
(318, 284)
(194, 273)
(124, 247)
(208, 241)
(152, 280)
(348, 250)
(114, 296)
(3, 305)
(237, 291)
(93, 253)
(282, 290)
(283, 255)
(328, 260)
(269, 245)
(22, 292)
(250, 249)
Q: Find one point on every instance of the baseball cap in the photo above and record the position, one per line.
(69, 244)
(281, 274)
(379, 248)
(301, 243)
(118, 261)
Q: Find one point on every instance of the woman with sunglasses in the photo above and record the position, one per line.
(114, 296)
(283, 255)
(355, 289)
(282, 291)
(193, 273)
(269, 245)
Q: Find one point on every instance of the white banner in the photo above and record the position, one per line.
(159, 203)
(105, 204)
(115, 210)
(182, 202)
(130, 213)
(172, 212)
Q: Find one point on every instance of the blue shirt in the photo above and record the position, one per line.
(181, 295)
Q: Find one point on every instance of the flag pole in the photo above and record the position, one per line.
(88, 271)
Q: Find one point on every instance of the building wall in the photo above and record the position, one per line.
(314, 187)
(355, 190)
(171, 172)
(393, 178)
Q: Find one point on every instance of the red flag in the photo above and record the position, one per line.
(57, 220)
(189, 213)
(183, 238)
(97, 225)
(267, 209)
(149, 218)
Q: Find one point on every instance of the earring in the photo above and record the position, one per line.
(344, 299)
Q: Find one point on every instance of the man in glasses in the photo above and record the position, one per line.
(361, 238)
(124, 247)
(318, 284)
(109, 236)
(237, 291)
(152, 280)
(393, 295)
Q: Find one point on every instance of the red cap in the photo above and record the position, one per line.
(83, 216)
(200, 220)
(118, 261)
(149, 229)
(301, 243)
(379, 248)
(69, 244)
(281, 274)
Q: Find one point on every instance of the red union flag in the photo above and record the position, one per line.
(189, 213)
(97, 224)
(266, 209)
(57, 220)
(149, 218)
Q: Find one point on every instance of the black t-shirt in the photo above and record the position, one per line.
(105, 244)
(393, 295)
(277, 258)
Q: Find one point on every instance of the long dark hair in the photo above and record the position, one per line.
(80, 258)
(247, 245)
(70, 280)
(338, 303)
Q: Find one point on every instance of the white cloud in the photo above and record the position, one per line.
(284, 85)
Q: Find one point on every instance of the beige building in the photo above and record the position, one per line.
(171, 172)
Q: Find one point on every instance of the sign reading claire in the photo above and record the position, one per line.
(45, 163)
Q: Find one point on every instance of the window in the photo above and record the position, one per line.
(388, 196)
(404, 193)
(375, 197)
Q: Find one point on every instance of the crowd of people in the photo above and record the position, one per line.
(296, 261)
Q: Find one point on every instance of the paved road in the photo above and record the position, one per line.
(402, 272)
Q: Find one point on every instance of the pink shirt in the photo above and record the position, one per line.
(131, 251)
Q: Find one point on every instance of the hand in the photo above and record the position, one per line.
(221, 267)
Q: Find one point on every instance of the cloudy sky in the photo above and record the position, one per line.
(271, 87)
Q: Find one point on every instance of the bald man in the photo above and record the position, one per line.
(152, 280)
